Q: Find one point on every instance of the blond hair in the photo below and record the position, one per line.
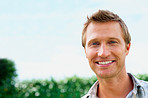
(106, 16)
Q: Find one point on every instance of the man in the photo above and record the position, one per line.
(107, 42)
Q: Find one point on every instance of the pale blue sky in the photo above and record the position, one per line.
(43, 37)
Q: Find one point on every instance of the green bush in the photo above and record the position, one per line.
(7, 76)
(8, 70)
(73, 87)
(142, 77)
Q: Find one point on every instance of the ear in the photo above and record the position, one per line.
(128, 48)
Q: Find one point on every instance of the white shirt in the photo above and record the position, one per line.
(140, 89)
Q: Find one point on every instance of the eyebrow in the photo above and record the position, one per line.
(92, 40)
(95, 39)
(112, 38)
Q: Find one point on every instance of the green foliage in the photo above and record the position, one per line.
(7, 75)
(35, 88)
(73, 87)
(142, 77)
(7, 70)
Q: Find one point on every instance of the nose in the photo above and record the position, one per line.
(103, 51)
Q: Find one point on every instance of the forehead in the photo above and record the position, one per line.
(106, 29)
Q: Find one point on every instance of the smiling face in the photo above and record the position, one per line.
(106, 49)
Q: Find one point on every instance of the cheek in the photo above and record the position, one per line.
(119, 52)
(90, 53)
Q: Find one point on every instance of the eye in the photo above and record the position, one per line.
(95, 43)
(112, 42)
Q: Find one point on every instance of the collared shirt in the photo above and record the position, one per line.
(140, 89)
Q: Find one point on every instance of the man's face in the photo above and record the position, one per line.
(106, 49)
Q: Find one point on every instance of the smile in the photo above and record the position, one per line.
(105, 62)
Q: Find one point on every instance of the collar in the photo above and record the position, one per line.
(93, 90)
(92, 93)
(138, 87)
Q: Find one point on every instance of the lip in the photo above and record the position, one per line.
(105, 65)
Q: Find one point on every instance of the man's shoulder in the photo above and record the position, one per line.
(139, 82)
(144, 83)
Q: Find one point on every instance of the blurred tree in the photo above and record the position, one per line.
(73, 87)
(7, 76)
(7, 70)
(142, 77)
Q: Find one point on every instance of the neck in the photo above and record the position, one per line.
(119, 85)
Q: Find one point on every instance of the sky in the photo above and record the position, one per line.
(43, 37)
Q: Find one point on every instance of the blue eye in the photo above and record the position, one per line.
(95, 43)
(112, 42)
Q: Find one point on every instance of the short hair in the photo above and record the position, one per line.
(102, 16)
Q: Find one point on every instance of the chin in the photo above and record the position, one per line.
(104, 75)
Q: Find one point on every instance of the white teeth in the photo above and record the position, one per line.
(106, 62)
